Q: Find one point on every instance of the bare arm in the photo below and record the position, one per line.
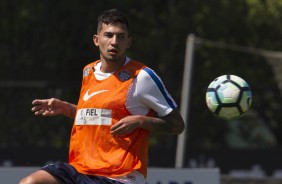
(52, 107)
(170, 124)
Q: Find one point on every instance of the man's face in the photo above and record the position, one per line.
(112, 41)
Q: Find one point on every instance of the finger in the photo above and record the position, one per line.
(116, 131)
(34, 102)
(48, 113)
(37, 102)
(116, 126)
(36, 108)
(121, 130)
(39, 112)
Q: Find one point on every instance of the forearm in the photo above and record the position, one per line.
(68, 109)
(170, 124)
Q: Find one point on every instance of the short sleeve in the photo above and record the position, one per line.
(149, 92)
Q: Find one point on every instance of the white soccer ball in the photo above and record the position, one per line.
(228, 97)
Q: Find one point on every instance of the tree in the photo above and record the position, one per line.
(50, 41)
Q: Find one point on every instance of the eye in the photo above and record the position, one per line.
(108, 35)
(121, 36)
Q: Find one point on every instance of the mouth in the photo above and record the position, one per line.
(113, 51)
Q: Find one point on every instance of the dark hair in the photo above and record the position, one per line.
(112, 16)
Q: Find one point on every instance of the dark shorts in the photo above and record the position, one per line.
(69, 175)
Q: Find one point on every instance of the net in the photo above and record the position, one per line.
(274, 59)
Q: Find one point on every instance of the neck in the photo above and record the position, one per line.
(111, 66)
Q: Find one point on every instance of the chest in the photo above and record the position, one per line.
(108, 93)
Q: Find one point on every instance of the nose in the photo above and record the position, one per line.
(114, 40)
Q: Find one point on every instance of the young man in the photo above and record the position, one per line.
(114, 115)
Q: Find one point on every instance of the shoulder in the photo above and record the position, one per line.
(130, 69)
(91, 64)
(147, 74)
(88, 67)
(134, 66)
(151, 92)
(148, 81)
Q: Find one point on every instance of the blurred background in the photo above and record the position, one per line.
(44, 46)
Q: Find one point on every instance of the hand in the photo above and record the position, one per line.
(126, 125)
(47, 107)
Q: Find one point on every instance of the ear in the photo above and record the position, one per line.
(129, 42)
(96, 40)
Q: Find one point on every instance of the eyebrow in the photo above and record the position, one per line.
(108, 32)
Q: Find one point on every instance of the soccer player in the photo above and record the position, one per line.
(114, 115)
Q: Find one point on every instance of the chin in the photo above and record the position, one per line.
(113, 59)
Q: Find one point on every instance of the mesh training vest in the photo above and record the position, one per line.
(93, 150)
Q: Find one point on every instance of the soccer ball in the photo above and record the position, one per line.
(228, 97)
